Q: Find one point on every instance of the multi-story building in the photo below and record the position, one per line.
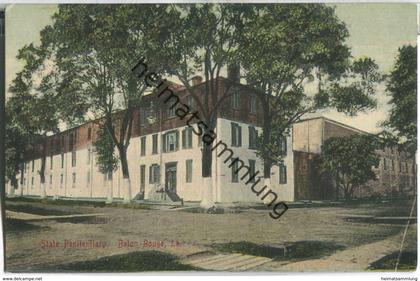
(164, 156)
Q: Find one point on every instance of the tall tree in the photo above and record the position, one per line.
(349, 160)
(295, 58)
(202, 38)
(402, 88)
(105, 158)
(94, 48)
(401, 126)
(33, 105)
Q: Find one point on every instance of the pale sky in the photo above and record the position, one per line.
(376, 31)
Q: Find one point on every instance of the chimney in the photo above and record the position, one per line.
(197, 80)
(233, 72)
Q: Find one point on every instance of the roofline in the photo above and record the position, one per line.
(336, 123)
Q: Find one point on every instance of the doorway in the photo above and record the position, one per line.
(170, 176)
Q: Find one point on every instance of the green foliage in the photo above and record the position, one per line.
(354, 91)
(106, 160)
(349, 160)
(296, 57)
(402, 88)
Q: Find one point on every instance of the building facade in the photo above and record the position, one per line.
(164, 157)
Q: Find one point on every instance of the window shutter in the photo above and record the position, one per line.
(150, 174)
(177, 140)
(164, 142)
(232, 132)
(240, 135)
(184, 138)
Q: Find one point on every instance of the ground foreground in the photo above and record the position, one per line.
(69, 237)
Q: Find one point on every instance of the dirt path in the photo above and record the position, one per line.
(350, 260)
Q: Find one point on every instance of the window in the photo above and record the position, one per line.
(51, 162)
(155, 144)
(170, 141)
(282, 174)
(283, 145)
(33, 165)
(88, 156)
(188, 165)
(51, 179)
(61, 179)
(89, 135)
(171, 110)
(235, 100)
(251, 170)
(400, 166)
(73, 158)
(406, 167)
(385, 166)
(74, 179)
(235, 172)
(187, 138)
(142, 177)
(236, 132)
(62, 160)
(88, 178)
(154, 173)
(392, 165)
(143, 146)
(191, 103)
(252, 137)
(253, 104)
(32, 181)
(142, 117)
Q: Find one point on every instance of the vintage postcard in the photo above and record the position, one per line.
(210, 137)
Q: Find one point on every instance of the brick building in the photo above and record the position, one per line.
(164, 156)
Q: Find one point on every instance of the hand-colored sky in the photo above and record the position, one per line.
(376, 30)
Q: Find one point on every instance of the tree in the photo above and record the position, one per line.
(202, 38)
(349, 160)
(16, 145)
(295, 58)
(32, 109)
(105, 157)
(401, 126)
(93, 48)
(402, 88)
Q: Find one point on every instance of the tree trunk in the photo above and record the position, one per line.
(109, 188)
(126, 174)
(22, 175)
(266, 141)
(42, 170)
(207, 200)
(13, 185)
(414, 175)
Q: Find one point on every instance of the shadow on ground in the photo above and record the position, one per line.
(16, 225)
(291, 251)
(408, 262)
(139, 261)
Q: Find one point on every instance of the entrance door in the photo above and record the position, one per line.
(170, 178)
